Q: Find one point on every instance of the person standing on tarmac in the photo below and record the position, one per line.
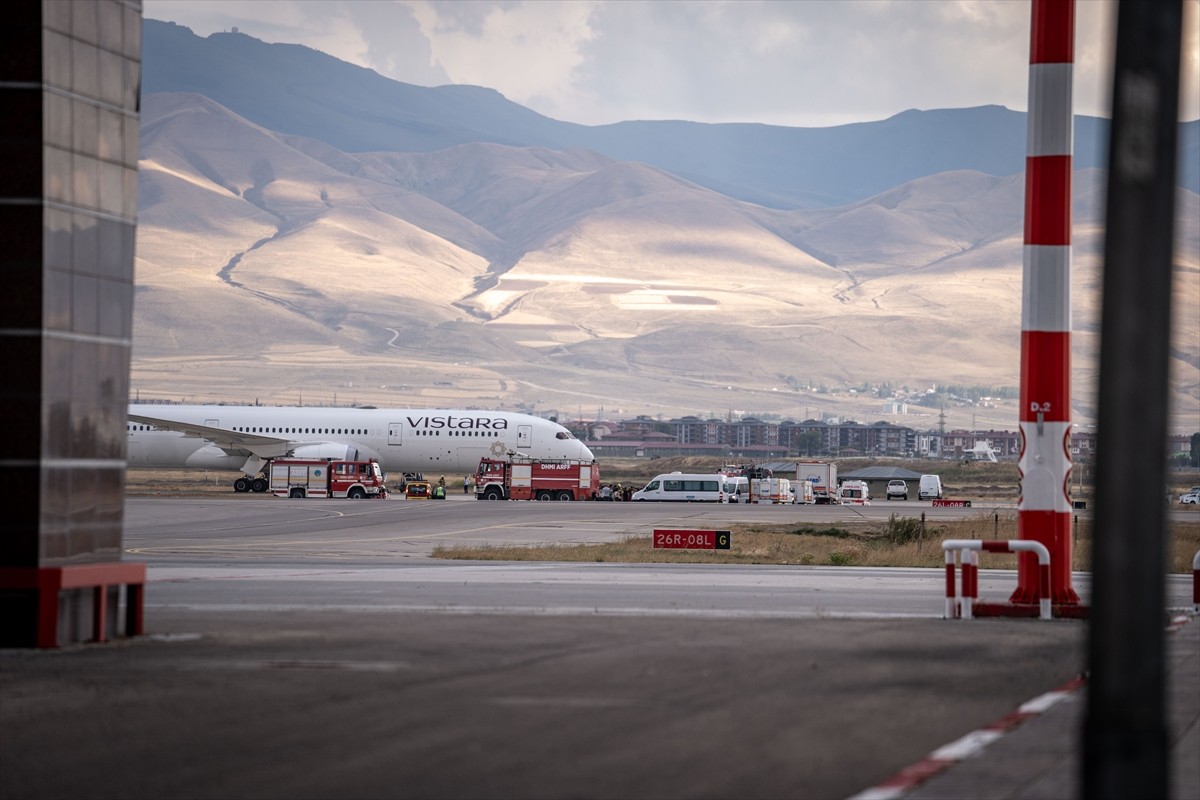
(466, 483)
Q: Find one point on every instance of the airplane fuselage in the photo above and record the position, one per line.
(402, 440)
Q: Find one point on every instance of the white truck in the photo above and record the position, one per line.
(770, 491)
(802, 493)
(823, 477)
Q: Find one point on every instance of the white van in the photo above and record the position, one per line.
(737, 489)
(930, 488)
(854, 493)
(685, 487)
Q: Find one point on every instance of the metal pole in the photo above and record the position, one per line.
(1125, 741)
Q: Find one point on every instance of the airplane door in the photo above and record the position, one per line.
(395, 433)
(524, 436)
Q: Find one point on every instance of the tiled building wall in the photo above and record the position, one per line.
(69, 84)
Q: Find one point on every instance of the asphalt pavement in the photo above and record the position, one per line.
(1039, 756)
(313, 652)
(299, 704)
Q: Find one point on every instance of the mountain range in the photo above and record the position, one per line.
(308, 226)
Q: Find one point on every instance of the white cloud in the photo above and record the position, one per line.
(527, 51)
(810, 63)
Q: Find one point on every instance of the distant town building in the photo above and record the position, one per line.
(752, 437)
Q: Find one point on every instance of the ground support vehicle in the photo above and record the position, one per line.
(802, 493)
(737, 489)
(686, 487)
(897, 490)
(823, 477)
(1192, 497)
(767, 491)
(417, 490)
(302, 477)
(528, 479)
(854, 493)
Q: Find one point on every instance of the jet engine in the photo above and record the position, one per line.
(327, 450)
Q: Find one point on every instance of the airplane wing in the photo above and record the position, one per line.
(232, 442)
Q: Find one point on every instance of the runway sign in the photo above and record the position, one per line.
(691, 540)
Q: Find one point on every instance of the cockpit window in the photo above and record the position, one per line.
(563, 435)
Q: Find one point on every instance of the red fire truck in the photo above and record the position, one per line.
(302, 477)
(527, 479)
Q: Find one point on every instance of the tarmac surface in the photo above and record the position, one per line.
(263, 704)
(281, 664)
(1040, 757)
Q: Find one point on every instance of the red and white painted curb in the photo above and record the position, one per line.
(966, 747)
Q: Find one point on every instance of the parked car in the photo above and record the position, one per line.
(1192, 497)
(897, 489)
(418, 490)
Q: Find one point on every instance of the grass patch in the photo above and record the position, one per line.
(898, 542)
(837, 533)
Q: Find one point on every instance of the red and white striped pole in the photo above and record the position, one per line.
(1044, 509)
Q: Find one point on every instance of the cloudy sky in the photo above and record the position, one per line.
(784, 62)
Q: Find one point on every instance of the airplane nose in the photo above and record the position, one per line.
(584, 453)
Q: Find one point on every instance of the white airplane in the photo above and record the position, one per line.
(246, 438)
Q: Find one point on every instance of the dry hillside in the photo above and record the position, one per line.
(275, 268)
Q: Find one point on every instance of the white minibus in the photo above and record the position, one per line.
(706, 487)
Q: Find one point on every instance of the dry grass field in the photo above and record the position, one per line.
(897, 542)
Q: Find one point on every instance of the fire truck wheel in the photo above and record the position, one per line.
(258, 485)
(242, 484)
(356, 493)
(297, 493)
(493, 493)
(564, 496)
(545, 496)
